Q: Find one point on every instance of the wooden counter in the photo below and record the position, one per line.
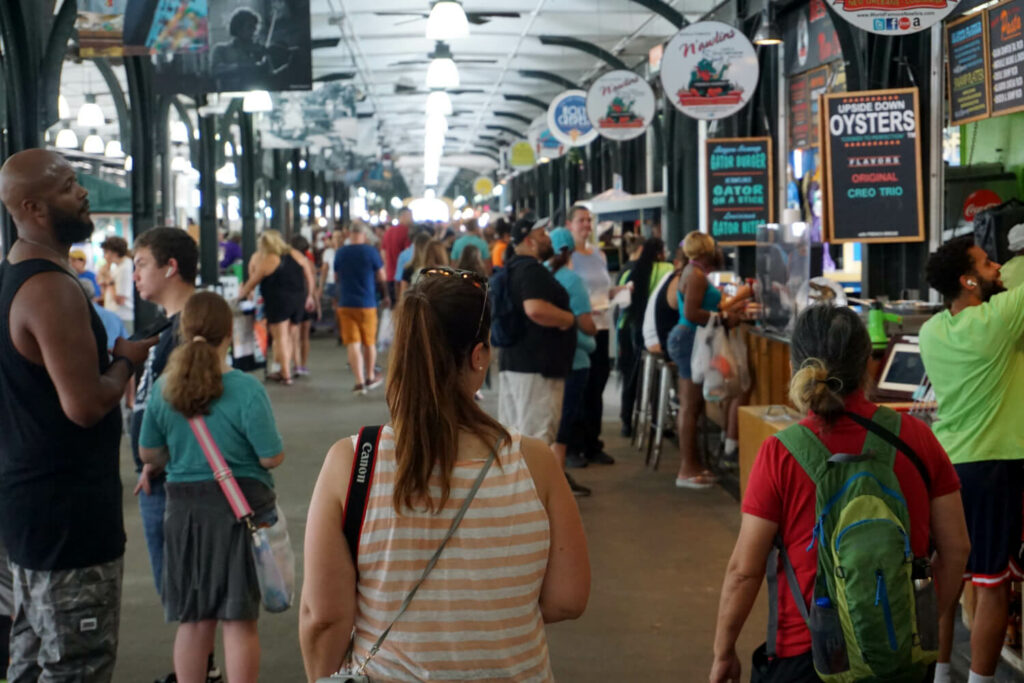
(758, 423)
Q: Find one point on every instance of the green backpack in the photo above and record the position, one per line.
(873, 616)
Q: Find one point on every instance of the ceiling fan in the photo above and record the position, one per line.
(476, 18)
(335, 76)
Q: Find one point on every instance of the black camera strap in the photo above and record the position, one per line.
(363, 461)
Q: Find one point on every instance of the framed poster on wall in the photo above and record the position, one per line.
(741, 194)
(872, 147)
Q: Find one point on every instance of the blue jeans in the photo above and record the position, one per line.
(572, 406)
(152, 509)
(680, 348)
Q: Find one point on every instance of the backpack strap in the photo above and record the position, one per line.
(778, 554)
(885, 425)
(363, 461)
(807, 449)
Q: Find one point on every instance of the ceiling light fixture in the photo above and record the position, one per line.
(93, 144)
(767, 33)
(180, 164)
(63, 110)
(442, 72)
(113, 149)
(447, 21)
(90, 115)
(257, 101)
(438, 102)
(66, 139)
(179, 132)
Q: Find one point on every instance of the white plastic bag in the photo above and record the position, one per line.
(274, 561)
(739, 353)
(385, 331)
(700, 357)
(721, 379)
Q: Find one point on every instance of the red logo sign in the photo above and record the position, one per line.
(979, 201)
(904, 23)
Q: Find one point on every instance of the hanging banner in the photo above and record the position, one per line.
(620, 105)
(1006, 50)
(810, 38)
(740, 190)
(873, 166)
(709, 70)
(122, 28)
(544, 143)
(893, 17)
(251, 45)
(520, 155)
(567, 119)
(967, 70)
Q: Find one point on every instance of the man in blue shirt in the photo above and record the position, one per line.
(359, 270)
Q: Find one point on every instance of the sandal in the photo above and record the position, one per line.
(703, 480)
(280, 379)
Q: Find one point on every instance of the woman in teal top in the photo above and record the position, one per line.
(208, 576)
(575, 384)
(698, 301)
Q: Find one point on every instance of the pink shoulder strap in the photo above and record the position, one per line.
(221, 472)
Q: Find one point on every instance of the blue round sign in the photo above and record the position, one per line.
(568, 120)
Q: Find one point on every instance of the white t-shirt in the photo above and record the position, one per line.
(121, 274)
(328, 259)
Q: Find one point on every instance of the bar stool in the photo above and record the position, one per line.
(642, 408)
(666, 413)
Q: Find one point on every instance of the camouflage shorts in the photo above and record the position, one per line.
(65, 624)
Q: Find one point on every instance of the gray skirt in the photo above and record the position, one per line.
(208, 571)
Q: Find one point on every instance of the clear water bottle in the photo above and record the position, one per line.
(828, 645)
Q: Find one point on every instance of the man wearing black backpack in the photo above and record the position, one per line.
(533, 325)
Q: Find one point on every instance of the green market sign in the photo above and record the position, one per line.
(740, 190)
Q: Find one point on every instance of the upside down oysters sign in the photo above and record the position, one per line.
(709, 70)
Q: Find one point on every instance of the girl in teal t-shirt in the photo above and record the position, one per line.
(208, 575)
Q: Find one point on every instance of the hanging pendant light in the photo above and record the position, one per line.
(113, 149)
(66, 139)
(179, 132)
(93, 143)
(447, 21)
(63, 110)
(257, 101)
(90, 115)
(767, 33)
(442, 72)
(438, 102)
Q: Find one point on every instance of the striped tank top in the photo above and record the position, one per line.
(477, 616)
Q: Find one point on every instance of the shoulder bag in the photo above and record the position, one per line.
(365, 455)
(271, 547)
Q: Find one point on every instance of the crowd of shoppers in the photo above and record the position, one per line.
(449, 492)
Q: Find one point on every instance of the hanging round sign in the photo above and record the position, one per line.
(543, 140)
(620, 105)
(520, 155)
(567, 119)
(893, 17)
(709, 70)
(483, 186)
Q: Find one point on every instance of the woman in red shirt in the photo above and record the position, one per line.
(830, 348)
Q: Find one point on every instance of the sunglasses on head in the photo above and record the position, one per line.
(473, 278)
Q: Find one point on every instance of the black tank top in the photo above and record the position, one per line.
(286, 282)
(60, 485)
(664, 317)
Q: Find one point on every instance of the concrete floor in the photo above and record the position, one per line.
(657, 553)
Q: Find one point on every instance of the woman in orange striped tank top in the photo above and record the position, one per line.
(518, 559)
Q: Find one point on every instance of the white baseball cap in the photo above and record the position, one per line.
(1016, 237)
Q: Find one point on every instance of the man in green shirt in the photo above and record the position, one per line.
(974, 355)
(1012, 271)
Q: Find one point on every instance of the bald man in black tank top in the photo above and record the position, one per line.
(60, 429)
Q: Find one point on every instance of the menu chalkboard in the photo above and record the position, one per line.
(967, 47)
(1006, 49)
(873, 166)
(799, 112)
(740, 190)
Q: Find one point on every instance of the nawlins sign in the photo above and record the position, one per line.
(709, 70)
(620, 105)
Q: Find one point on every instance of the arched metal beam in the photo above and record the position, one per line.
(513, 115)
(503, 129)
(179, 106)
(53, 60)
(526, 99)
(674, 16)
(584, 46)
(548, 76)
(120, 103)
(483, 153)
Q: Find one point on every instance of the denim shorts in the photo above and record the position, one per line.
(680, 348)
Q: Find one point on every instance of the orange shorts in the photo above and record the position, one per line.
(358, 325)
